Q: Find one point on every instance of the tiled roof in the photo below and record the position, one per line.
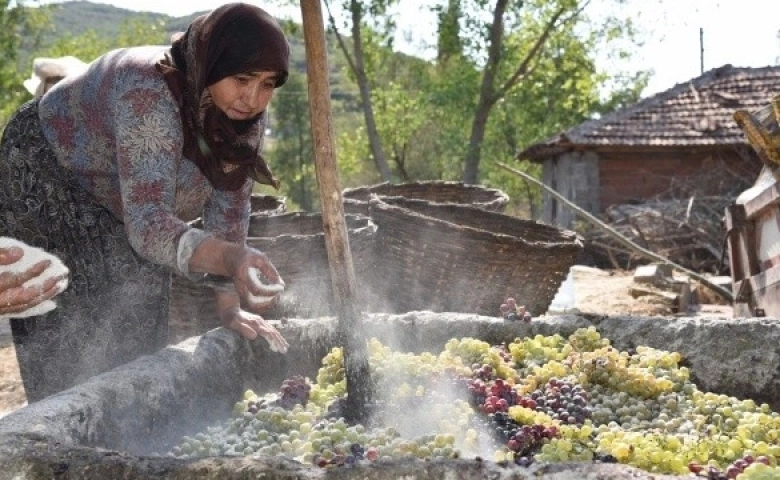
(694, 113)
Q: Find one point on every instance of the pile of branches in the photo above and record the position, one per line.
(683, 224)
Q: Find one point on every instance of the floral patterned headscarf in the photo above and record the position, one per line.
(234, 38)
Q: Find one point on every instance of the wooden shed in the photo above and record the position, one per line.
(637, 152)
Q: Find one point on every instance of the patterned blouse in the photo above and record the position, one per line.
(117, 127)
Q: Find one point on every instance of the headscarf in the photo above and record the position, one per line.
(234, 38)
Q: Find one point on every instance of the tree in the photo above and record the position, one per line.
(290, 148)
(506, 41)
(562, 87)
(423, 111)
(358, 11)
(90, 45)
(21, 25)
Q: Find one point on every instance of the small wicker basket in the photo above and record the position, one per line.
(264, 205)
(260, 206)
(356, 199)
(449, 257)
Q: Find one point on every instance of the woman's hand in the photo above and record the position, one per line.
(15, 298)
(250, 326)
(256, 280)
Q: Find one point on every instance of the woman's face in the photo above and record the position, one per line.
(245, 95)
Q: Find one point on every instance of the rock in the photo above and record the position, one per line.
(653, 274)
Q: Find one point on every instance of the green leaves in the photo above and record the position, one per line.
(20, 25)
(89, 45)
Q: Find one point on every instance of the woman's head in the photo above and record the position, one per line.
(247, 58)
(241, 38)
(223, 71)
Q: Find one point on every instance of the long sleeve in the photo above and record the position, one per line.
(148, 156)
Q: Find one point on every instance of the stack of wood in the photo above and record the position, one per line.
(658, 281)
(679, 293)
(683, 224)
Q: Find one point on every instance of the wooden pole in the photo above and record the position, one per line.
(359, 389)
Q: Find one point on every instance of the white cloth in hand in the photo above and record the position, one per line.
(258, 279)
(33, 255)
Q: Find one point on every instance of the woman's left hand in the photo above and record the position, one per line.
(256, 280)
(249, 326)
(15, 297)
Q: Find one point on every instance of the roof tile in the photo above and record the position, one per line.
(693, 113)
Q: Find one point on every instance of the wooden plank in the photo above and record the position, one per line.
(735, 221)
(769, 197)
(765, 287)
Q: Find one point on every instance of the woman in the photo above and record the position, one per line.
(107, 168)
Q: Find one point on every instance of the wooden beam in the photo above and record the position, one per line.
(336, 237)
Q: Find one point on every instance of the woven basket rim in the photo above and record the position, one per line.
(395, 204)
(500, 196)
(369, 227)
(280, 200)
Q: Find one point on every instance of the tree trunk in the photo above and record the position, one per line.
(365, 96)
(486, 96)
(474, 153)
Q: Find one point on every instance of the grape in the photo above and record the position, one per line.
(513, 312)
(534, 399)
(294, 391)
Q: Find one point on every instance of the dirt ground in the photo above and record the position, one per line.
(597, 291)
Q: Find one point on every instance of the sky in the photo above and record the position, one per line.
(743, 33)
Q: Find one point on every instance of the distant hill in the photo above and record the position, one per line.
(76, 17)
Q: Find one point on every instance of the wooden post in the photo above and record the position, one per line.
(359, 389)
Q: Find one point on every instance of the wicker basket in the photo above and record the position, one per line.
(192, 310)
(260, 206)
(449, 257)
(356, 199)
(264, 205)
(295, 243)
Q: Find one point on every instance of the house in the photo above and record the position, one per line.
(637, 152)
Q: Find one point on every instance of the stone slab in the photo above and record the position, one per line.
(125, 415)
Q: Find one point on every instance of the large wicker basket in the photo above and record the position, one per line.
(449, 257)
(295, 243)
(356, 199)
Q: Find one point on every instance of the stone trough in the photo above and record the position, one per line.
(110, 426)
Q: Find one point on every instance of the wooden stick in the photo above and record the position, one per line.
(727, 295)
(359, 391)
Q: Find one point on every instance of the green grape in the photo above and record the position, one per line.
(644, 411)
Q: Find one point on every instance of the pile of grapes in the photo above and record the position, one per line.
(539, 399)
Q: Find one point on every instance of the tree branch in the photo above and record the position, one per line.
(340, 39)
(525, 66)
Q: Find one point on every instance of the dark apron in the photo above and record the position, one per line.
(115, 308)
